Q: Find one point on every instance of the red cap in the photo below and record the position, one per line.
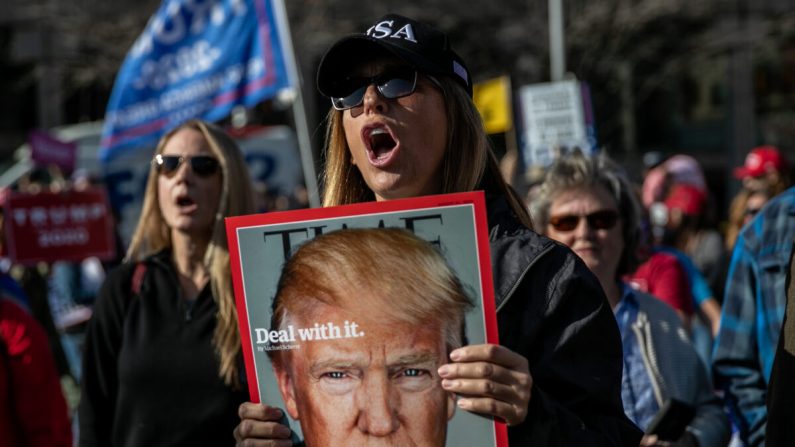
(761, 160)
(686, 198)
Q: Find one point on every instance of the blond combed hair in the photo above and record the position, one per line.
(237, 198)
(419, 288)
(469, 162)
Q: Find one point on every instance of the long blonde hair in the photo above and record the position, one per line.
(152, 235)
(469, 162)
(737, 213)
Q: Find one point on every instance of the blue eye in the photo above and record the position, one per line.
(413, 372)
(335, 375)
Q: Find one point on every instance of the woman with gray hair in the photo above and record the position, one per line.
(589, 204)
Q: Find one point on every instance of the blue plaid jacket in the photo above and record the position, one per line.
(753, 311)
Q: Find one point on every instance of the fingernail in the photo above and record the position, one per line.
(463, 403)
(455, 355)
(447, 383)
(444, 371)
(283, 431)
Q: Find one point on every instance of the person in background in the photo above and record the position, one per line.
(752, 315)
(687, 229)
(676, 198)
(663, 276)
(588, 203)
(764, 174)
(689, 223)
(745, 205)
(33, 411)
(678, 223)
(403, 125)
(684, 238)
(162, 364)
(765, 169)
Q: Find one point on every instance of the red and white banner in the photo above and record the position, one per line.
(66, 226)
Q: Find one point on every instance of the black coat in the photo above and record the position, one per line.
(150, 374)
(552, 310)
(780, 431)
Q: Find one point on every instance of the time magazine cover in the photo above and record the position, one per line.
(347, 312)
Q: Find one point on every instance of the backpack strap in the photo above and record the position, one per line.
(138, 278)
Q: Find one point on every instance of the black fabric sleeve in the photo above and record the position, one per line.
(781, 391)
(102, 345)
(687, 440)
(574, 350)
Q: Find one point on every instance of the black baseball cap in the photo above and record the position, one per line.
(421, 45)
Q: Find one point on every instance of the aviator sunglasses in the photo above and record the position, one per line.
(392, 84)
(201, 165)
(600, 220)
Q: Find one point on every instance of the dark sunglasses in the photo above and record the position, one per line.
(393, 84)
(201, 165)
(600, 220)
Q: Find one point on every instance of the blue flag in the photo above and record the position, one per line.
(195, 59)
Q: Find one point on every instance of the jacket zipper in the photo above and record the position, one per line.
(188, 306)
(521, 277)
(642, 332)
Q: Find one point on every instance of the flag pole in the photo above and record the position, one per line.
(299, 111)
(510, 160)
(557, 47)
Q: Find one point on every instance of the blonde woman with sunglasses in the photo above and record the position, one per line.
(589, 204)
(162, 363)
(402, 124)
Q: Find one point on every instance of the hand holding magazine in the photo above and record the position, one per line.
(347, 313)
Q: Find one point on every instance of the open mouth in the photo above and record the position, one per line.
(381, 145)
(184, 201)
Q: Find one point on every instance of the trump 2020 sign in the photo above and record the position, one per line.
(195, 59)
(64, 226)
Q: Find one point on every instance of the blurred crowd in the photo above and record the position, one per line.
(720, 279)
(146, 345)
(660, 240)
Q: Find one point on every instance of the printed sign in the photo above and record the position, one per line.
(194, 60)
(493, 100)
(556, 117)
(350, 310)
(67, 226)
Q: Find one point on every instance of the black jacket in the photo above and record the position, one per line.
(150, 374)
(779, 430)
(552, 310)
